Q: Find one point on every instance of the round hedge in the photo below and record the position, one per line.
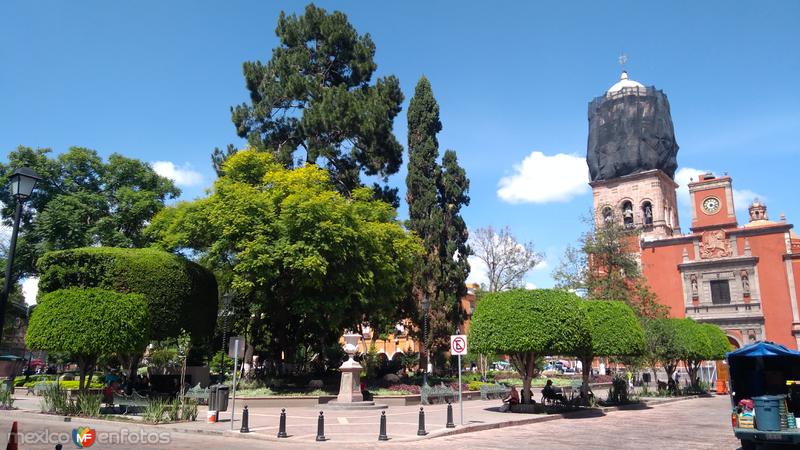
(615, 329)
(691, 340)
(89, 322)
(719, 344)
(543, 321)
(180, 293)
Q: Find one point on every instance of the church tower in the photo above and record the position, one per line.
(631, 155)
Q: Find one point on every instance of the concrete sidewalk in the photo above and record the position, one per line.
(351, 426)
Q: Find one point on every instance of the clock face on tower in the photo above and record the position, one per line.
(711, 205)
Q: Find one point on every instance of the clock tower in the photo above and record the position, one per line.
(712, 203)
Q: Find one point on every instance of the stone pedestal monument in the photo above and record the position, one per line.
(350, 396)
(350, 387)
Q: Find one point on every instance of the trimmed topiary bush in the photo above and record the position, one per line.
(180, 293)
(87, 323)
(615, 332)
(527, 324)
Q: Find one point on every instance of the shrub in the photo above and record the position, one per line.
(155, 410)
(615, 331)
(6, 397)
(189, 410)
(180, 293)
(413, 388)
(88, 404)
(69, 385)
(476, 385)
(54, 400)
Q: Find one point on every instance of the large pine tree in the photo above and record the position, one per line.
(314, 102)
(435, 195)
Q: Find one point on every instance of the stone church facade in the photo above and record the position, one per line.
(743, 278)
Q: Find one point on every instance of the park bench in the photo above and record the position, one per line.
(198, 393)
(489, 391)
(128, 403)
(430, 393)
(37, 388)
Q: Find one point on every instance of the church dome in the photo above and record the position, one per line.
(624, 83)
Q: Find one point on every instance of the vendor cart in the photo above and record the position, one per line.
(765, 395)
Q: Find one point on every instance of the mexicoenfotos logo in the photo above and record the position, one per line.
(83, 437)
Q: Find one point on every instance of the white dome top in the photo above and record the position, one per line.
(623, 83)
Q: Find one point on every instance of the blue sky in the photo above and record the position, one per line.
(155, 80)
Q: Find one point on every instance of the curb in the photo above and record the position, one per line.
(431, 435)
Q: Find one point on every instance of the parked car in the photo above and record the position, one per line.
(501, 365)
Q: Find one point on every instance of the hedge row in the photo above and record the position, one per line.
(179, 293)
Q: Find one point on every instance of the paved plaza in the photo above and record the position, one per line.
(694, 423)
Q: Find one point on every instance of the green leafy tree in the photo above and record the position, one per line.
(700, 342)
(435, 195)
(663, 346)
(693, 346)
(83, 201)
(305, 262)
(718, 340)
(529, 324)
(615, 331)
(606, 268)
(315, 95)
(88, 323)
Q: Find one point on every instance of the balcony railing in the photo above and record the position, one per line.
(727, 310)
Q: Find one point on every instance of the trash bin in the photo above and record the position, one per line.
(768, 416)
(212, 397)
(223, 392)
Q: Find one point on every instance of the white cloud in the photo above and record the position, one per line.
(530, 286)
(683, 177)
(478, 271)
(542, 179)
(542, 265)
(741, 197)
(30, 288)
(182, 176)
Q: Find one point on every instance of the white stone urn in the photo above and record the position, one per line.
(350, 387)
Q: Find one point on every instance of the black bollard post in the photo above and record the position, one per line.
(382, 433)
(421, 431)
(282, 426)
(245, 421)
(450, 423)
(321, 427)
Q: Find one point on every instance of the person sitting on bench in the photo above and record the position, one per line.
(549, 393)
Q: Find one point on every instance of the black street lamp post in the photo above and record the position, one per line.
(426, 305)
(226, 303)
(23, 181)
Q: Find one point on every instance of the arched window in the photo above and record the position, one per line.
(627, 214)
(647, 214)
(608, 215)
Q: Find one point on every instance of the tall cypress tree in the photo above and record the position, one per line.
(453, 187)
(435, 195)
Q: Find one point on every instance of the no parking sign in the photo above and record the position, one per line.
(458, 344)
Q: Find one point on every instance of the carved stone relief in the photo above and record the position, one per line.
(714, 245)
